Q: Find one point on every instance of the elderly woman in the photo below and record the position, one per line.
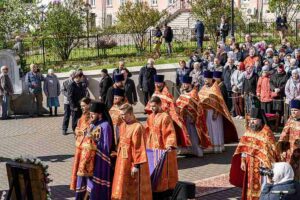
(237, 79)
(197, 75)
(292, 90)
(282, 184)
(52, 91)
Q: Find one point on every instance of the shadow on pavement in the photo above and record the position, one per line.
(61, 192)
(55, 158)
(222, 158)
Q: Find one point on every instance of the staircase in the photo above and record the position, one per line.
(182, 20)
(178, 15)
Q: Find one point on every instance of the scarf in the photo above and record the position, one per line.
(283, 172)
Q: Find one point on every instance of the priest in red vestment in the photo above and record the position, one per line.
(256, 149)
(168, 105)
(291, 135)
(192, 112)
(132, 176)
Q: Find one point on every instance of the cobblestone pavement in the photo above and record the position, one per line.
(41, 137)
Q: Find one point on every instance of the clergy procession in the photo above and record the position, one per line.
(119, 157)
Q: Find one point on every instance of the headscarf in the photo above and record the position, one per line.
(283, 172)
(249, 72)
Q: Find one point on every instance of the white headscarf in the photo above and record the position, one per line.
(283, 172)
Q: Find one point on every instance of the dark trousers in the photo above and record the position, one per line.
(229, 102)
(147, 96)
(266, 106)
(238, 104)
(199, 42)
(67, 114)
(36, 99)
(75, 117)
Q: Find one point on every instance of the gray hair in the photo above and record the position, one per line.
(150, 61)
(72, 73)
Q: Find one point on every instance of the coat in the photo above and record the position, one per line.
(51, 86)
(227, 73)
(104, 84)
(237, 80)
(76, 92)
(168, 34)
(64, 90)
(267, 194)
(110, 96)
(263, 89)
(278, 81)
(199, 29)
(292, 90)
(249, 85)
(130, 91)
(146, 79)
(6, 87)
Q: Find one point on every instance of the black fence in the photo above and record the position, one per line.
(43, 51)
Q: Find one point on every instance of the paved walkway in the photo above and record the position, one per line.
(41, 137)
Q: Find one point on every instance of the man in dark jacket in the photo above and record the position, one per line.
(119, 83)
(119, 69)
(227, 72)
(67, 110)
(277, 85)
(76, 92)
(129, 86)
(249, 86)
(199, 31)
(105, 83)
(224, 29)
(146, 80)
(168, 35)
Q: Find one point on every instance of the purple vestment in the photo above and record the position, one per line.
(100, 184)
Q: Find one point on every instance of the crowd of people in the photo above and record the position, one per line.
(117, 157)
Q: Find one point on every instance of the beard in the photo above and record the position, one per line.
(159, 88)
(94, 120)
(255, 127)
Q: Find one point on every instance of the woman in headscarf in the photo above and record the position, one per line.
(292, 91)
(52, 91)
(282, 184)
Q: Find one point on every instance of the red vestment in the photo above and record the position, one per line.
(85, 151)
(161, 134)
(211, 98)
(291, 134)
(189, 105)
(260, 150)
(169, 106)
(132, 151)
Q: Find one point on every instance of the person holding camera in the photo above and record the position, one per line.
(256, 149)
(281, 185)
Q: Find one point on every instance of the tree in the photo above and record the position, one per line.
(290, 7)
(135, 19)
(63, 26)
(16, 17)
(210, 12)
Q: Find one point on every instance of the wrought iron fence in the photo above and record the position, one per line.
(42, 51)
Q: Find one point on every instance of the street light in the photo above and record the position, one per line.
(42, 9)
(87, 8)
(232, 18)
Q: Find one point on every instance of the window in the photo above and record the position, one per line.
(172, 1)
(108, 21)
(153, 2)
(93, 2)
(93, 20)
(122, 1)
(109, 2)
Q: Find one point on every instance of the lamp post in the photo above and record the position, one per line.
(42, 10)
(232, 18)
(87, 8)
